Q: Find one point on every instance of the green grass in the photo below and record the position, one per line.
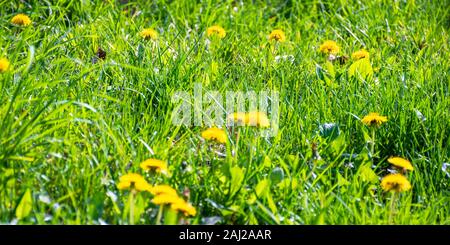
(70, 127)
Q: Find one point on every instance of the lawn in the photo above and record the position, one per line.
(116, 112)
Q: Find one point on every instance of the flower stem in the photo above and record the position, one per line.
(132, 195)
(373, 143)
(392, 207)
(160, 213)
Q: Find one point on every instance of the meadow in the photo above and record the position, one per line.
(86, 112)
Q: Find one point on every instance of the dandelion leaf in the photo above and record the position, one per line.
(251, 199)
(361, 67)
(330, 69)
(267, 162)
(271, 204)
(25, 205)
(326, 75)
(262, 187)
(341, 181)
(338, 145)
(367, 174)
(237, 176)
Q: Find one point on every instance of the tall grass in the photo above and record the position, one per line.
(70, 127)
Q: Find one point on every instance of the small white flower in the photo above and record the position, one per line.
(331, 57)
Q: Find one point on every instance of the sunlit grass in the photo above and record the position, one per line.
(86, 98)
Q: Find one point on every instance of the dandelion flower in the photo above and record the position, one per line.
(216, 31)
(163, 189)
(216, 134)
(374, 119)
(167, 199)
(133, 181)
(159, 165)
(360, 54)
(148, 34)
(401, 162)
(4, 65)
(329, 47)
(21, 20)
(238, 117)
(277, 35)
(395, 182)
(254, 118)
(186, 208)
(258, 118)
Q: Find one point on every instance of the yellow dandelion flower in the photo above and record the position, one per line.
(216, 134)
(401, 162)
(133, 181)
(374, 119)
(329, 47)
(277, 35)
(159, 165)
(258, 118)
(186, 208)
(4, 64)
(238, 117)
(163, 189)
(254, 118)
(167, 199)
(395, 182)
(360, 54)
(148, 34)
(21, 20)
(216, 31)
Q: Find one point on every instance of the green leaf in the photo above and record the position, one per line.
(267, 162)
(294, 183)
(214, 68)
(262, 188)
(362, 67)
(367, 174)
(319, 73)
(271, 204)
(330, 69)
(364, 157)
(338, 144)
(268, 212)
(293, 161)
(251, 198)
(139, 207)
(226, 170)
(320, 220)
(206, 80)
(141, 52)
(170, 217)
(341, 180)
(25, 205)
(367, 137)
(237, 176)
